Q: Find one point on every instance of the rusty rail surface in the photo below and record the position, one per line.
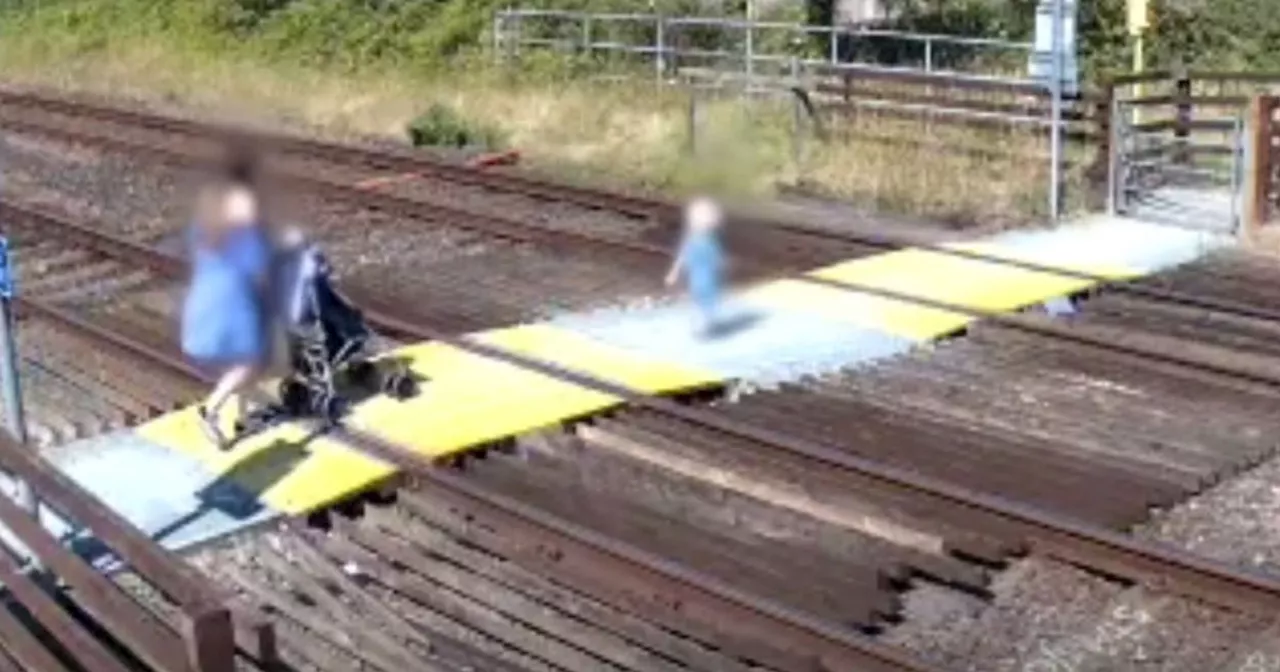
(203, 637)
(1037, 530)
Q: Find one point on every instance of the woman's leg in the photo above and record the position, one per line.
(233, 382)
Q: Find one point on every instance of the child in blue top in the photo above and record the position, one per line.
(225, 321)
(700, 259)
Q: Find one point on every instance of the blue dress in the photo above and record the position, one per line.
(704, 265)
(224, 317)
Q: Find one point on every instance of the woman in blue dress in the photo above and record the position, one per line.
(701, 260)
(225, 326)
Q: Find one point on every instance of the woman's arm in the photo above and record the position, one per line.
(253, 256)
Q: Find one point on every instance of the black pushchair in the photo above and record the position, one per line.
(330, 345)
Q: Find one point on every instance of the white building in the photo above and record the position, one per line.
(858, 11)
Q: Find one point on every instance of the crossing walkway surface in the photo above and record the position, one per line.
(167, 479)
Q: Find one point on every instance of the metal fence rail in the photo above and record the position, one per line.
(1180, 148)
(750, 49)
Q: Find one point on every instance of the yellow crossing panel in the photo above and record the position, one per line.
(1046, 258)
(907, 320)
(467, 400)
(472, 400)
(287, 468)
(932, 276)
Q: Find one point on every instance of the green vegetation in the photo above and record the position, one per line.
(1205, 34)
(387, 67)
(443, 126)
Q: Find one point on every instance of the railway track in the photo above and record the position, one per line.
(974, 528)
(793, 639)
(476, 283)
(974, 525)
(461, 197)
(640, 230)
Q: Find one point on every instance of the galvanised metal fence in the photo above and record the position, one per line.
(684, 48)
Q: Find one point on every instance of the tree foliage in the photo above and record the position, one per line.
(1234, 34)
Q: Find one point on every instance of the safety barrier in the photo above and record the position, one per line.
(77, 612)
(1262, 191)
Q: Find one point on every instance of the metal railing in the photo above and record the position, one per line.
(751, 49)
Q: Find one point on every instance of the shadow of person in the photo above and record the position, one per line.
(236, 493)
(732, 325)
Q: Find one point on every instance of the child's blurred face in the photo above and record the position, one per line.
(703, 216)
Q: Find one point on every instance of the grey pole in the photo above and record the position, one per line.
(1055, 133)
(750, 46)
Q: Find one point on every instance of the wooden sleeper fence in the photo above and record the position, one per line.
(82, 615)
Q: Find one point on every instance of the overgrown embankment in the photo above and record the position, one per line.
(374, 66)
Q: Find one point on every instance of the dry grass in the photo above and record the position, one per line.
(621, 134)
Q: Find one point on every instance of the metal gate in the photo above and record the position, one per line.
(1177, 170)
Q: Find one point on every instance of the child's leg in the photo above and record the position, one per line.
(706, 298)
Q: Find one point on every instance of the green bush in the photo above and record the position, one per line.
(442, 126)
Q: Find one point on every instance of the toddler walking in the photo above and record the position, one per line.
(700, 259)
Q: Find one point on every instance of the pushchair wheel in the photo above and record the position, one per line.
(328, 407)
(294, 397)
(399, 386)
(363, 373)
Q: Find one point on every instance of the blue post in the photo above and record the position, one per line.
(12, 389)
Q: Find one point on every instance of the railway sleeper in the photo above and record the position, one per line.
(328, 554)
(872, 506)
(864, 595)
(1169, 485)
(1110, 414)
(119, 408)
(750, 511)
(161, 390)
(563, 599)
(68, 281)
(1099, 447)
(628, 590)
(971, 465)
(515, 619)
(151, 392)
(692, 502)
(943, 433)
(366, 630)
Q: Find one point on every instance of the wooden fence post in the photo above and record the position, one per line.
(1182, 115)
(1099, 173)
(209, 637)
(1259, 166)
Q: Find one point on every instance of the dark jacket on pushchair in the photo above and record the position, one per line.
(326, 335)
(329, 341)
(315, 315)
